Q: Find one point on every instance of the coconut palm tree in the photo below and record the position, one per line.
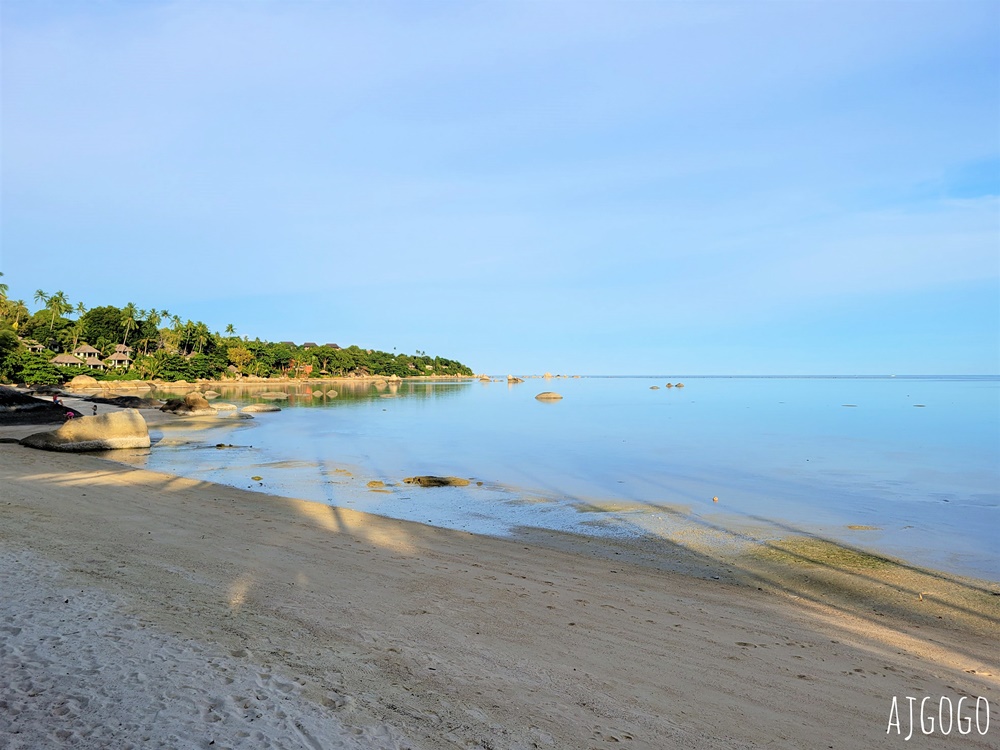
(230, 331)
(16, 309)
(154, 319)
(78, 328)
(58, 304)
(202, 335)
(41, 297)
(129, 314)
(3, 290)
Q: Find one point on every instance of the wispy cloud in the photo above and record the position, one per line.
(696, 162)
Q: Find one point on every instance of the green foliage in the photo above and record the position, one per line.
(37, 370)
(102, 327)
(180, 349)
(240, 356)
(47, 330)
(10, 353)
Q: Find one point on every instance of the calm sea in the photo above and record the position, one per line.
(917, 460)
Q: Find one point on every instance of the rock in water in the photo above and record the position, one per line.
(432, 481)
(120, 429)
(192, 404)
(260, 407)
(548, 396)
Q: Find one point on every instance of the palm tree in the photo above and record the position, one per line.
(41, 297)
(17, 308)
(230, 331)
(186, 336)
(129, 313)
(78, 328)
(3, 290)
(201, 335)
(58, 304)
(154, 318)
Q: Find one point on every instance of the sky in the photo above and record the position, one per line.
(578, 187)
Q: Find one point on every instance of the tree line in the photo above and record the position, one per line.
(169, 347)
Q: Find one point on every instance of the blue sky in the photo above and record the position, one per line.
(574, 187)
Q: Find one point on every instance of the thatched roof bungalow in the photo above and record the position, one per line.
(67, 360)
(118, 359)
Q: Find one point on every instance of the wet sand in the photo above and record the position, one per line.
(146, 610)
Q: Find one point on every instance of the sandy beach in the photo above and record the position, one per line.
(145, 610)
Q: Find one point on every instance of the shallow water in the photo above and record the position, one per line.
(915, 458)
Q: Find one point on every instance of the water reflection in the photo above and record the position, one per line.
(925, 478)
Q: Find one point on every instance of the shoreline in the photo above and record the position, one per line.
(422, 637)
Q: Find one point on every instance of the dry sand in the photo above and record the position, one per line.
(143, 610)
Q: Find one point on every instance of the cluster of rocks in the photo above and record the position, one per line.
(196, 404)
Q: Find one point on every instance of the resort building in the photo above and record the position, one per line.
(66, 360)
(118, 359)
(33, 346)
(91, 356)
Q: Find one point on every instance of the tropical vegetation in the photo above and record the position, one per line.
(154, 343)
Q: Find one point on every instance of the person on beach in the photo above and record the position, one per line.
(69, 415)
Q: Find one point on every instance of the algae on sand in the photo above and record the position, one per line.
(808, 550)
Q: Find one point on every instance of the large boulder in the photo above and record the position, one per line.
(193, 404)
(120, 429)
(20, 408)
(82, 382)
(548, 396)
(127, 402)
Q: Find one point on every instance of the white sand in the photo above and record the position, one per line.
(80, 671)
